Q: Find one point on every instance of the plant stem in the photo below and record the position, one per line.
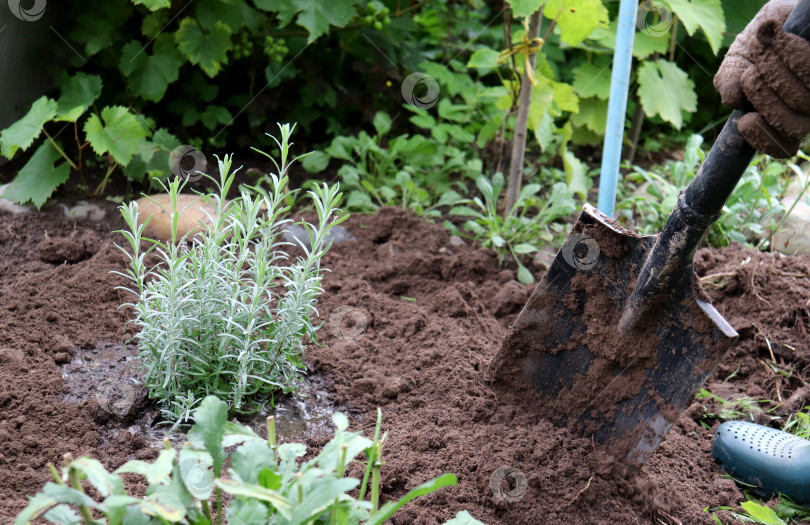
(271, 434)
(635, 130)
(521, 124)
(55, 145)
(76, 483)
(673, 38)
(375, 480)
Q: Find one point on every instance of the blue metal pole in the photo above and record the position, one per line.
(617, 106)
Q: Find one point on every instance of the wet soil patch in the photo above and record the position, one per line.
(411, 324)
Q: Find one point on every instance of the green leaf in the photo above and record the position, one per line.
(315, 162)
(165, 506)
(119, 135)
(252, 491)
(484, 58)
(63, 515)
(315, 17)
(524, 248)
(35, 508)
(195, 472)
(22, 133)
(577, 19)
(78, 93)
(388, 510)
(524, 275)
(153, 5)
(541, 99)
(148, 76)
(564, 97)
(98, 476)
(99, 27)
(704, 14)
(576, 174)
(463, 518)
(65, 494)
(208, 48)
(592, 115)
(251, 458)
(38, 178)
(591, 80)
(209, 427)
(381, 122)
(666, 90)
(247, 512)
(321, 497)
(525, 7)
(646, 44)
(762, 514)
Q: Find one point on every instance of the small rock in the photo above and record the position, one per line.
(456, 241)
(60, 250)
(61, 358)
(386, 250)
(91, 242)
(297, 234)
(392, 388)
(509, 299)
(84, 210)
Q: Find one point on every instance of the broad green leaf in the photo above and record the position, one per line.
(524, 275)
(69, 495)
(148, 76)
(97, 28)
(542, 97)
(484, 58)
(666, 90)
(525, 7)
(63, 515)
(762, 514)
(704, 14)
(315, 162)
(22, 133)
(381, 122)
(120, 133)
(251, 458)
(645, 44)
(592, 115)
(164, 505)
(78, 93)
(592, 80)
(38, 178)
(235, 14)
(258, 492)
(576, 174)
(35, 508)
(195, 468)
(564, 97)
(463, 518)
(247, 512)
(577, 19)
(544, 132)
(98, 476)
(321, 497)
(209, 428)
(206, 48)
(153, 5)
(315, 17)
(236, 433)
(388, 510)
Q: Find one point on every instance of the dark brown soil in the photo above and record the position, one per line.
(412, 323)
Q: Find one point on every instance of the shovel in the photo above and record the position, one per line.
(619, 335)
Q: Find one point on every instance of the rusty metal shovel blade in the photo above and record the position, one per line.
(565, 357)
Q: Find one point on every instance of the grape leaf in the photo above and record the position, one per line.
(484, 58)
(148, 76)
(592, 115)
(38, 178)
(96, 28)
(156, 162)
(565, 98)
(235, 15)
(704, 14)
(153, 5)
(22, 133)
(665, 90)
(542, 96)
(315, 17)
(525, 7)
(643, 43)
(208, 49)
(592, 80)
(577, 19)
(78, 92)
(120, 134)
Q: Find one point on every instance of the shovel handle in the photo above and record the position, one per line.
(731, 154)
(669, 263)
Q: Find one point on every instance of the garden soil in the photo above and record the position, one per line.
(412, 322)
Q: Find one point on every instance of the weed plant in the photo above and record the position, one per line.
(228, 313)
(268, 482)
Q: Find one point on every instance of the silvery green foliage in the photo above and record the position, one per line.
(228, 313)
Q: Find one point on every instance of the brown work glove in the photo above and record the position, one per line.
(770, 69)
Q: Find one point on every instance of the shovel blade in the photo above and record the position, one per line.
(565, 359)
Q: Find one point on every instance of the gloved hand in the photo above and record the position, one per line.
(770, 69)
